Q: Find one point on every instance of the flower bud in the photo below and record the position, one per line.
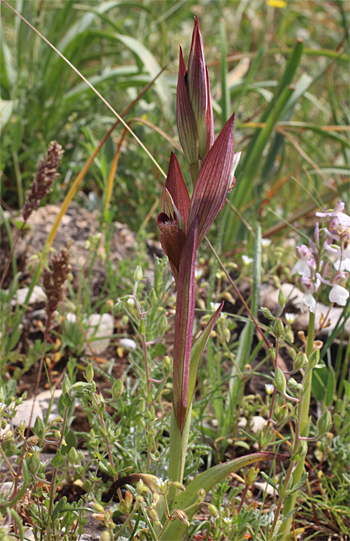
(138, 274)
(213, 511)
(281, 298)
(324, 423)
(278, 328)
(167, 365)
(252, 475)
(280, 381)
(97, 507)
(182, 517)
(72, 456)
(118, 307)
(153, 515)
(117, 389)
(300, 360)
(295, 386)
(178, 485)
(66, 385)
(39, 428)
(163, 325)
(266, 313)
(33, 463)
(80, 389)
(281, 413)
(226, 334)
(201, 495)
(89, 373)
(141, 488)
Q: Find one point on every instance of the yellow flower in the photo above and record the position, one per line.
(277, 3)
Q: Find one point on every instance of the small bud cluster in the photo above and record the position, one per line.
(53, 282)
(42, 183)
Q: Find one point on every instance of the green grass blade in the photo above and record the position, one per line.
(225, 93)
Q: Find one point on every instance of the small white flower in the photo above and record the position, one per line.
(302, 268)
(247, 260)
(269, 388)
(308, 300)
(130, 301)
(343, 260)
(290, 318)
(339, 295)
(265, 242)
(214, 306)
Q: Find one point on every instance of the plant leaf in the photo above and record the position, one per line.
(197, 352)
(207, 480)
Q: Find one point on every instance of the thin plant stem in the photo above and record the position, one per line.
(19, 469)
(54, 475)
(301, 429)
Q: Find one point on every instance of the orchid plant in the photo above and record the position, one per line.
(184, 222)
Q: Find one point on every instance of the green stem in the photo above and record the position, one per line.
(54, 475)
(303, 422)
(177, 452)
(18, 179)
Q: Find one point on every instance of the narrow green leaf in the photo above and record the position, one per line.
(123, 71)
(319, 383)
(225, 93)
(299, 485)
(197, 352)
(206, 481)
(269, 481)
(58, 508)
(8, 72)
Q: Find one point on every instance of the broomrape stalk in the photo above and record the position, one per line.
(184, 221)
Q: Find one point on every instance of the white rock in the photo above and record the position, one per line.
(37, 295)
(265, 487)
(29, 535)
(99, 329)
(41, 406)
(257, 423)
(6, 487)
